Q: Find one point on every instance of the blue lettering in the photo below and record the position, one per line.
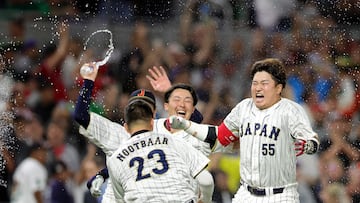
(137, 145)
(248, 131)
(157, 141)
(125, 152)
(274, 132)
(263, 131)
(131, 149)
(256, 128)
(150, 143)
(120, 157)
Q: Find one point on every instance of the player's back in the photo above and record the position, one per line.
(152, 167)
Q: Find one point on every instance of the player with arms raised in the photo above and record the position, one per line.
(268, 127)
(108, 135)
(153, 167)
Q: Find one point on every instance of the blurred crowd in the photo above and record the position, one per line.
(39, 86)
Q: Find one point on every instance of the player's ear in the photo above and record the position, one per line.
(166, 106)
(279, 88)
(152, 123)
(126, 126)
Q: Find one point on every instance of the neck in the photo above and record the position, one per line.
(140, 128)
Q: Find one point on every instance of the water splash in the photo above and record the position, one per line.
(87, 69)
(6, 118)
(110, 47)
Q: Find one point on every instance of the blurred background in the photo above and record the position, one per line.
(210, 44)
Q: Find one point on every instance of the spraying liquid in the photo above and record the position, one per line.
(85, 70)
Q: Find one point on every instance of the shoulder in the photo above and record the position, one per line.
(159, 122)
(245, 103)
(291, 107)
(34, 165)
(284, 102)
(159, 125)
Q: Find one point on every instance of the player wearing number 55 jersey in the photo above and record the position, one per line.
(153, 167)
(272, 132)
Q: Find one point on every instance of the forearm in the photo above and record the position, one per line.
(38, 197)
(206, 133)
(103, 173)
(206, 184)
(81, 114)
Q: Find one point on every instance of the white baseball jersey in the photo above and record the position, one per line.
(108, 136)
(105, 134)
(154, 167)
(267, 138)
(30, 176)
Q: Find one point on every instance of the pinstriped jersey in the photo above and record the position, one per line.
(203, 147)
(267, 140)
(108, 136)
(105, 134)
(154, 167)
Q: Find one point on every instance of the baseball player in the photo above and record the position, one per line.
(268, 126)
(151, 166)
(109, 135)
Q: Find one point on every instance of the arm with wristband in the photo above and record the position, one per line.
(207, 133)
(94, 184)
(307, 146)
(81, 113)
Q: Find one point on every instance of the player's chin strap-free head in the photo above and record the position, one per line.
(144, 94)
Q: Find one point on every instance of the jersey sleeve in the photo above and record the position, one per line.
(114, 174)
(299, 123)
(105, 134)
(197, 161)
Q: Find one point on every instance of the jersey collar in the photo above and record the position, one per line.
(139, 132)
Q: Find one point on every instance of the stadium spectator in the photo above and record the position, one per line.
(30, 177)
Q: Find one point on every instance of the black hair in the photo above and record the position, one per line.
(181, 86)
(272, 66)
(36, 146)
(138, 109)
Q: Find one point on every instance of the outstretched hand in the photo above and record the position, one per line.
(159, 79)
(176, 122)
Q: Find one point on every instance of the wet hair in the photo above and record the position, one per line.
(138, 109)
(181, 86)
(272, 66)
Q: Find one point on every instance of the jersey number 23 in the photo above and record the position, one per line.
(160, 169)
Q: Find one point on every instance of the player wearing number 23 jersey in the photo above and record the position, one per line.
(153, 167)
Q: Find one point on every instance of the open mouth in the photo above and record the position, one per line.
(181, 113)
(259, 97)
